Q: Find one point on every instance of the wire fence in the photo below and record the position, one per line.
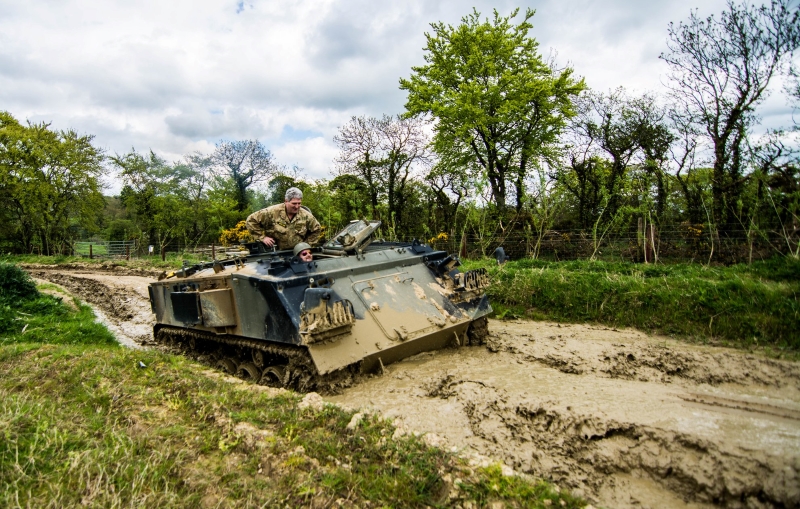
(668, 243)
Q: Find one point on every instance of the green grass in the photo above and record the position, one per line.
(30, 316)
(86, 426)
(740, 305)
(172, 261)
(87, 423)
(97, 249)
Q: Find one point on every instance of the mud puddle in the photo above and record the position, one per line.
(624, 419)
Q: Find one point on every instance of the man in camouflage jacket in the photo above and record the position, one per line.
(285, 224)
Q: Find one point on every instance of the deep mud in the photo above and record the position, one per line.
(625, 419)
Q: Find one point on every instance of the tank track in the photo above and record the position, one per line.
(286, 366)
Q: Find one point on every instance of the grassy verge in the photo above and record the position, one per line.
(47, 319)
(740, 305)
(173, 260)
(87, 423)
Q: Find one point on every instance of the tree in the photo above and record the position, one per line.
(146, 181)
(720, 71)
(384, 153)
(497, 105)
(606, 125)
(448, 187)
(611, 134)
(49, 183)
(244, 163)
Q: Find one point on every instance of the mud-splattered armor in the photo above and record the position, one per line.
(273, 222)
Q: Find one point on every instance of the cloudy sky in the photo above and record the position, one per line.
(178, 76)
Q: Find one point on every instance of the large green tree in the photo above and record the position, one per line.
(497, 105)
(49, 184)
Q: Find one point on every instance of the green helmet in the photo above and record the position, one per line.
(300, 247)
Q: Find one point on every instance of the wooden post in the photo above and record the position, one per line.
(127, 252)
(163, 253)
(213, 251)
(640, 237)
(462, 252)
(650, 243)
(91, 255)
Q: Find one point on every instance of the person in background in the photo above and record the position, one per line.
(303, 252)
(286, 224)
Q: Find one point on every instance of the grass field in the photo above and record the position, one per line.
(87, 423)
(740, 305)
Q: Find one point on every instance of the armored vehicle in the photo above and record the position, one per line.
(360, 304)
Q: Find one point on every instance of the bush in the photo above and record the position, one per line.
(16, 284)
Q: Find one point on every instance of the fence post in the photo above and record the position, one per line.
(91, 255)
(650, 253)
(213, 251)
(640, 240)
(163, 253)
(127, 252)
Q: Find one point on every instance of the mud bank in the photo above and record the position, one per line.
(625, 419)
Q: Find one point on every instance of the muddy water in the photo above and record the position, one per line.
(625, 419)
(622, 418)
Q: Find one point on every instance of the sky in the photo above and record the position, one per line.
(179, 76)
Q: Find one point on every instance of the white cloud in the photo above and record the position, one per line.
(178, 76)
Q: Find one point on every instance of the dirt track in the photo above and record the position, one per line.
(625, 419)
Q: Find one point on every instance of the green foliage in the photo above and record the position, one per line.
(122, 229)
(498, 106)
(742, 305)
(49, 184)
(15, 284)
(166, 202)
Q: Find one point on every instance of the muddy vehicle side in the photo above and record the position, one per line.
(359, 305)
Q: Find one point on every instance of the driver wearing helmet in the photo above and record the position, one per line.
(303, 252)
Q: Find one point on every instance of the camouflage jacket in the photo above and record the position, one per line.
(273, 222)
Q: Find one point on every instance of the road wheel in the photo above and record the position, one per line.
(259, 358)
(274, 376)
(227, 365)
(249, 372)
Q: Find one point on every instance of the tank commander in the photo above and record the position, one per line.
(303, 252)
(286, 224)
